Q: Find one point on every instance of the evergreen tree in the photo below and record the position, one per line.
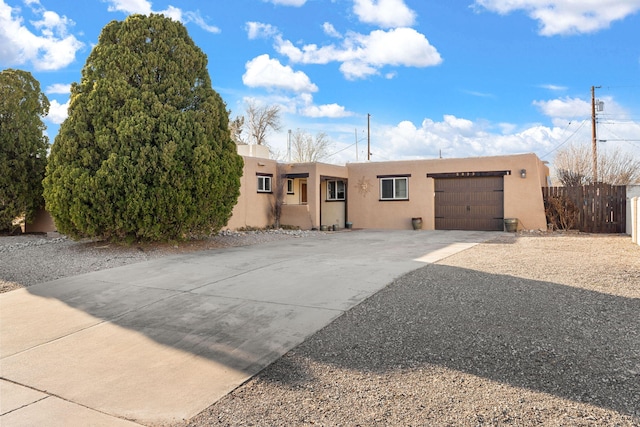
(23, 145)
(146, 152)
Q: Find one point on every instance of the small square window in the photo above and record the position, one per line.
(394, 188)
(335, 190)
(264, 184)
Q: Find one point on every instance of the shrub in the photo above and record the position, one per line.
(23, 146)
(146, 152)
(561, 212)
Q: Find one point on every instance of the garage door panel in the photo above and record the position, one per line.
(469, 203)
(473, 224)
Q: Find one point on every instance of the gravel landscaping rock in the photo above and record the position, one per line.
(525, 330)
(29, 259)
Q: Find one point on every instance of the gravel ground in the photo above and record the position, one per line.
(33, 258)
(525, 330)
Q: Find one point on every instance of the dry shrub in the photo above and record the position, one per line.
(562, 213)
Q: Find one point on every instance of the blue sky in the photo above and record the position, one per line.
(456, 78)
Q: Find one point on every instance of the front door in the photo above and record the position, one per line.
(303, 192)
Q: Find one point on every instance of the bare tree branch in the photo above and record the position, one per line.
(305, 148)
(573, 166)
(261, 120)
(235, 127)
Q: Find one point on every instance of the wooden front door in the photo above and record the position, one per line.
(303, 192)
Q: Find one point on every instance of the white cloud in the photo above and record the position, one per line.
(478, 94)
(308, 109)
(262, 71)
(462, 125)
(58, 88)
(57, 112)
(145, 7)
(300, 105)
(363, 55)
(296, 3)
(130, 6)
(385, 13)
(256, 30)
(173, 13)
(326, 110)
(200, 22)
(564, 108)
(458, 137)
(52, 49)
(555, 88)
(330, 30)
(566, 16)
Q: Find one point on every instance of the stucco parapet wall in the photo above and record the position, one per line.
(481, 159)
(254, 150)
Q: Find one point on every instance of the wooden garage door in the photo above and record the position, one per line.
(469, 203)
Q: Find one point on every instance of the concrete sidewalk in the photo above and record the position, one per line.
(157, 342)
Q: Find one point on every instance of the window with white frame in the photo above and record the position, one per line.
(264, 184)
(335, 190)
(289, 186)
(394, 188)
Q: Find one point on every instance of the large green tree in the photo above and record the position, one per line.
(23, 145)
(146, 152)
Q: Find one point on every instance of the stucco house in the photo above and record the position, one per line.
(464, 194)
(460, 194)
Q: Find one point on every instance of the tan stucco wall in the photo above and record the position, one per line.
(253, 208)
(332, 212)
(522, 197)
(253, 150)
(316, 192)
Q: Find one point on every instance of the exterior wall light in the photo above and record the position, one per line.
(523, 173)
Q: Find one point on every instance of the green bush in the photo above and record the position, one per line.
(146, 151)
(23, 146)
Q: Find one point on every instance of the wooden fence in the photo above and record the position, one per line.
(598, 208)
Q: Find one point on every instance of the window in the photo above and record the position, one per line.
(335, 190)
(289, 186)
(394, 188)
(264, 184)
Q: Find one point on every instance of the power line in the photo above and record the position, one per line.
(566, 140)
(340, 151)
(620, 139)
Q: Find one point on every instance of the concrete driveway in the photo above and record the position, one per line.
(157, 342)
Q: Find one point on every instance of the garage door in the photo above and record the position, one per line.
(475, 203)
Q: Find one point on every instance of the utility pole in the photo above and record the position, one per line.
(368, 137)
(594, 141)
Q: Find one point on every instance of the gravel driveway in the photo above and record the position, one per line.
(524, 330)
